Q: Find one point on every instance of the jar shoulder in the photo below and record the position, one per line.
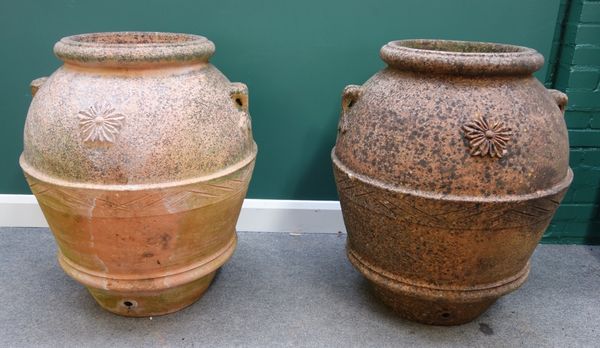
(136, 126)
(462, 135)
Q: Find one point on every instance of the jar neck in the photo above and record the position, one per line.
(134, 50)
(461, 57)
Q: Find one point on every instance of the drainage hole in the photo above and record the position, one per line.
(130, 304)
(239, 101)
(445, 315)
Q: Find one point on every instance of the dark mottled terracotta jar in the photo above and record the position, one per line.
(139, 152)
(449, 164)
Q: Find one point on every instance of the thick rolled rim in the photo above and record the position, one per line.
(134, 48)
(461, 57)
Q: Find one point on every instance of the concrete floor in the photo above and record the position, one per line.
(285, 290)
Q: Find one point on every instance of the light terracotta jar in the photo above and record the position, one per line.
(450, 164)
(139, 152)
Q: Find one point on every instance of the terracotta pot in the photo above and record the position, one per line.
(139, 152)
(449, 164)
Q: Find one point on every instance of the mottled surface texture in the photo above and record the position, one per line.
(449, 163)
(280, 290)
(139, 152)
(179, 120)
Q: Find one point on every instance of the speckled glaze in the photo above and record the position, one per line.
(449, 164)
(139, 152)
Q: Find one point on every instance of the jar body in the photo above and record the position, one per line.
(141, 172)
(447, 183)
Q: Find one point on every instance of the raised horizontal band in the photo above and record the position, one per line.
(31, 171)
(563, 184)
(160, 281)
(427, 291)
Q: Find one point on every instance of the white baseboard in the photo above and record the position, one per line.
(258, 215)
(21, 211)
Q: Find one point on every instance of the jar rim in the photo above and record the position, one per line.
(134, 48)
(461, 57)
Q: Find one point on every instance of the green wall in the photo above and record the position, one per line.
(577, 72)
(296, 56)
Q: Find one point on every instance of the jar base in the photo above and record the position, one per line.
(431, 305)
(152, 303)
(432, 312)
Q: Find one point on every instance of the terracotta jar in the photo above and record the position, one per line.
(449, 165)
(139, 152)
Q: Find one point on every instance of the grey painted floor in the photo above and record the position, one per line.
(284, 290)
